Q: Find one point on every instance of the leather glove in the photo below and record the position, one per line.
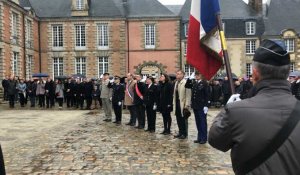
(234, 98)
(120, 103)
(205, 109)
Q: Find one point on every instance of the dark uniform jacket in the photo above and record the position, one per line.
(118, 93)
(31, 88)
(136, 99)
(50, 86)
(200, 95)
(151, 95)
(246, 127)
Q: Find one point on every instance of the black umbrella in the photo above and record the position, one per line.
(78, 76)
(40, 75)
(61, 77)
(223, 75)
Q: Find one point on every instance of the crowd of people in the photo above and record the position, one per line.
(142, 96)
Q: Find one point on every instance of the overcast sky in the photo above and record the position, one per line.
(173, 2)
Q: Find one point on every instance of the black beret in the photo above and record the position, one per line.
(272, 52)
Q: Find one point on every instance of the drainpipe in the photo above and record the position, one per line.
(180, 43)
(40, 51)
(24, 46)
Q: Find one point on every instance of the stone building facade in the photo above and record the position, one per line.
(19, 49)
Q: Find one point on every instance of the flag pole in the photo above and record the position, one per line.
(225, 53)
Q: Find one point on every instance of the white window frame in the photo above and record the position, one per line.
(248, 69)
(58, 66)
(186, 29)
(57, 36)
(14, 64)
(79, 4)
(185, 48)
(103, 63)
(103, 36)
(250, 28)
(290, 45)
(250, 47)
(29, 39)
(189, 70)
(80, 65)
(292, 67)
(29, 66)
(14, 27)
(80, 37)
(150, 38)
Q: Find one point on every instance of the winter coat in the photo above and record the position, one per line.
(165, 100)
(184, 96)
(129, 93)
(246, 127)
(151, 95)
(118, 93)
(40, 89)
(12, 87)
(59, 91)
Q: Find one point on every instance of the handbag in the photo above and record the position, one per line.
(186, 113)
(274, 144)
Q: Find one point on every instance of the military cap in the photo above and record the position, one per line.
(272, 52)
(117, 77)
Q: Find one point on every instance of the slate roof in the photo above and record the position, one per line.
(234, 13)
(174, 8)
(25, 3)
(281, 15)
(102, 8)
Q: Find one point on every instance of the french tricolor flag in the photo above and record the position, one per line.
(204, 50)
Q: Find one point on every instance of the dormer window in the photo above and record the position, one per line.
(250, 28)
(79, 5)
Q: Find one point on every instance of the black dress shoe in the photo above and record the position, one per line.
(202, 142)
(118, 123)
(182, 137)
(164, 132)
(132, 124)
(147, 130)
(177, 136)
(141, 127)
(128, 123)
(115, 122)
(105, 120)
(152, 131)
(108, 120)
(196, 141)
(167, 132)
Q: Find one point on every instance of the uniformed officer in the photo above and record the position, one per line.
(262, 131)
(118, 93)
(200, 96)
(138, 100)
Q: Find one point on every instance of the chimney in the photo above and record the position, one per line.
(256, 5)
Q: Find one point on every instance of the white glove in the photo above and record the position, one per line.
(154, 107)
(205, 110)
(120, 103)
(112, 80)
(234, 98)
(110, 99)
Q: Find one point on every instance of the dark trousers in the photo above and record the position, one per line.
(2, 167)
(88, 102)
(60, 101)
(167, 121)
(132, 111)
(118, 111)
(151, 117)
(32, 100)
(226, 98)
(79, 101)
(201, 124)
(181, 121)
(41, 100)
(70, 101)
(5, 95)
(140, 112)
(11, 100)
(50, 101)
(22, 99)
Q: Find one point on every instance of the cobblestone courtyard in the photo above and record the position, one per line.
(79, 142)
